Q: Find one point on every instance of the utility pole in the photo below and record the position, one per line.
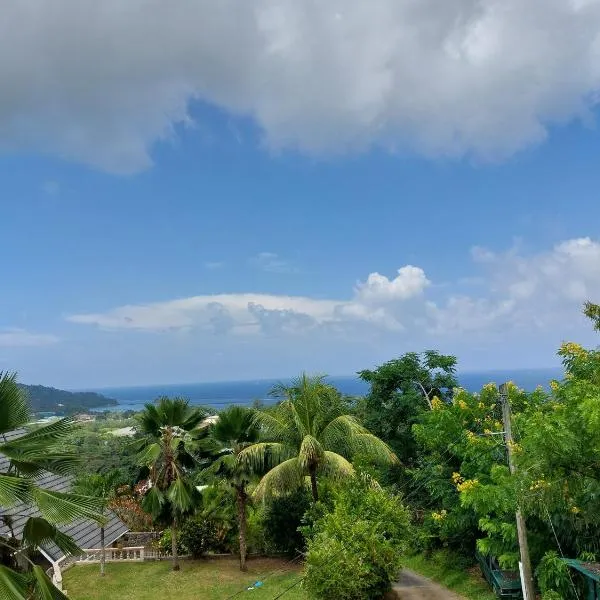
(525, 564)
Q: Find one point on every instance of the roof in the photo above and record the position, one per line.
(589, 569)
(84, 532)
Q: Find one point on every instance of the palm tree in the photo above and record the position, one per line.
(103, 487)
(235, 430)
(27, 457)
(171, 435)
(306, 435)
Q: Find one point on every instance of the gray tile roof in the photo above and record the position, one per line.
(84, 532)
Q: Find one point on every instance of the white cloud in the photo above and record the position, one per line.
(271, 263)
(517, 292)
(100, 82)
(410, 281)
(13, 338)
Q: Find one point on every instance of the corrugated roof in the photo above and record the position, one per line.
(84, 532)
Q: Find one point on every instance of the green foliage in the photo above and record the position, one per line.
(164, 543)
(553, 577)
(356, 551)
(61, 402)
(400, 390)
(198, 536)
(592, 311)
(308, 434)
(283, 515)
(29, 456)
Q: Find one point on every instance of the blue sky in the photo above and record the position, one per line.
(209, 230)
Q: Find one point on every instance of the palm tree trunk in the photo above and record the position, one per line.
(241, 503)
(102, 552)
(174, 545)
(313, 484)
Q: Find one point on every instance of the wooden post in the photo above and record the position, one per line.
(525, 565)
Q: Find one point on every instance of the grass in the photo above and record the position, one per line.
(446, 570)
(209, 579)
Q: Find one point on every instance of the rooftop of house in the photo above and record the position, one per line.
(84, 532)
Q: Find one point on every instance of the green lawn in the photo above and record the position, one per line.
(443, 568)
(210, 579)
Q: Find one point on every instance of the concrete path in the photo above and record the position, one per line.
(416, 587)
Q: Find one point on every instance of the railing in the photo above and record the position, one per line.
(133, 553)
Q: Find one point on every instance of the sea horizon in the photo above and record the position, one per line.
(219, 394)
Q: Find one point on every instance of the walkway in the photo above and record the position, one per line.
(416, 587)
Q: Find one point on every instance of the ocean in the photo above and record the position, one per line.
(221, 394)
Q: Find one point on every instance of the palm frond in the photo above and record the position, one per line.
(14, 489)
(58, 507)
(336, 466)
(264, 455)
(276, 427)
(285, 477)
(374, 449)
(183, 495)
(14, 407)
(43, 588)
(338, 433)
(38, 531)
(13, 586)
(153, 501)
(47, 434)
(150, 454)
(311, 452)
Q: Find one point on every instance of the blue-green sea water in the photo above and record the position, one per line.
(220, 394)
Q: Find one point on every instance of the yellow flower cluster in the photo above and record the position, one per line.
(572, 348)
(439, 516)
(436, 403)
(540, 484)
(575, 510)
(467, 485)
(514, 446)
(462, 405)
(481, 405)
(457, 478)
(554, 385)
(471, 437)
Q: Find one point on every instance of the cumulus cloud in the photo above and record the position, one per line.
(534, 292)
(13, 338)
(101, 82)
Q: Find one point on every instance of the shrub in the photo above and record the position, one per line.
(163, 543)
(356, 549)
(198, 536)
(553, 577)
(281, 519)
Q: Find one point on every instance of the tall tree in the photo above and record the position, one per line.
(103, 487)
(27, 457)
(308, 435)
(171, 436)
(400, 390)
(236, 430)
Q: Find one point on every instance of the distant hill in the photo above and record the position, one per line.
(49, 399)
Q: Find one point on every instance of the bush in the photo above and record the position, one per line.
(355, 551)
(163, 543)
(198, 536)
(281, 519)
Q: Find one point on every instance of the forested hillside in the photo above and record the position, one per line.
(49, 399)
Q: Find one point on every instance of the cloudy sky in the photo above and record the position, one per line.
(202, 190)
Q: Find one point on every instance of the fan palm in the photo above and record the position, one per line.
(307, 435)
(103, 487)
(235, 430)
(26, 458)
(171, 436)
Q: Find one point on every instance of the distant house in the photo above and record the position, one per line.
(84, 532)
